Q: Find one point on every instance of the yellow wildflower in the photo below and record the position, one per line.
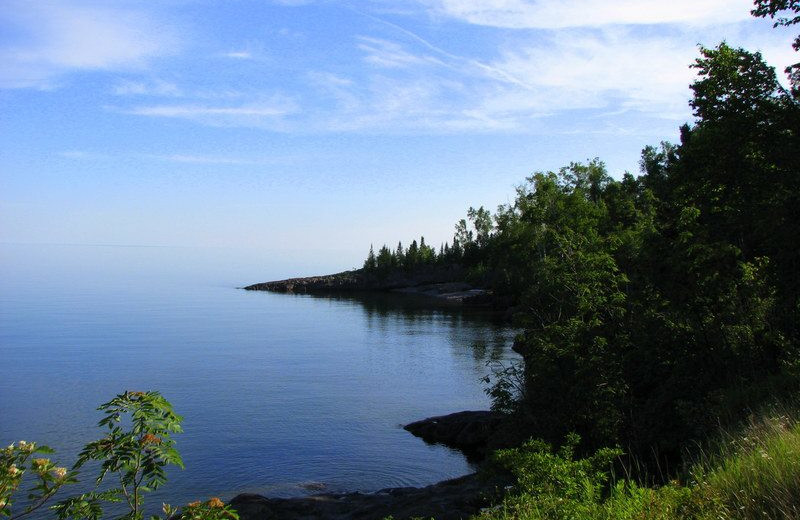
(216, 502)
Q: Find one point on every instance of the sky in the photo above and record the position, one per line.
(314, 128)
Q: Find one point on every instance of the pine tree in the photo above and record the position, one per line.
(371, 262)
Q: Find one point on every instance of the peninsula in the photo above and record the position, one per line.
(444, 283)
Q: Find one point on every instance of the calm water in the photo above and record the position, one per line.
(277, 391)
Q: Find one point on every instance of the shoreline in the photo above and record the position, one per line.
(443, 284)
(468, 432)
(450, 499)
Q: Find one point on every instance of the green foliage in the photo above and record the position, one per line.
(553, 484)
(648, 304)
(371, 263)
(754, 474)
(17, 462)
(757, 473)
(786, 13)
(558, 474)
(505, 385)
(213, 509)
(733, 83)
(652, 309)
(87, 506)
(418, 255)
(136, 449)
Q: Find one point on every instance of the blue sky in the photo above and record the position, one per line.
(319, 127)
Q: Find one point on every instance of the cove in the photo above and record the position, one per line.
(282, 395)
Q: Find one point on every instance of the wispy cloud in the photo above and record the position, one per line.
(384, 53)
(53, 38)
(261, 113)
(147, 88)
(574, 70)
(192, 111)
(239, 55)
(555, 14)
(587, 58)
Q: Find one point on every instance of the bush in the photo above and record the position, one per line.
(136, 449)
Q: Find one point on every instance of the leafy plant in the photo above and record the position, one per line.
(137, 446)
(15, 462)
(136, 449)
(213, 509)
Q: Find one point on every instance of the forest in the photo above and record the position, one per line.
(653, 309)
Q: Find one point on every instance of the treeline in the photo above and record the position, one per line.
(467, 246)
(654, 307)
(414, 256)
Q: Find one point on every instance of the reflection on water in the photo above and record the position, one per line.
(488, 333)
(276, 390)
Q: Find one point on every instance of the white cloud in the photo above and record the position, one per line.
(147, 88)
(576, 70)
(54, 38)
(601, 71)
(194, 111)
(268, 113)
(555, 14)
(239, 55)
(384, 53)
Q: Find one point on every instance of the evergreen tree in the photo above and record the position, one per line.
(400, 255)
(371, 262)
(384, 260)
(412, 256)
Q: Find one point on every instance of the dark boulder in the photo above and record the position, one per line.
(468, 431)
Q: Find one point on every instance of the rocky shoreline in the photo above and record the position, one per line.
(443, 283)
(453, 499)
(469, 431)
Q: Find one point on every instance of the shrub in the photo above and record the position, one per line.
(136, 449)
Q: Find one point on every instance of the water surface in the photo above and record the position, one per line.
(277, 391)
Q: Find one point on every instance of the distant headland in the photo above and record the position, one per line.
(445, 283)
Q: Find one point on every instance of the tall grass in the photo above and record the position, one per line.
(752, 474)
(757, 474)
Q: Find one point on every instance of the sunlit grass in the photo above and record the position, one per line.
(757, 474)
(754, 474)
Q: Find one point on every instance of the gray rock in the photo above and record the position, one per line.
(453, 499)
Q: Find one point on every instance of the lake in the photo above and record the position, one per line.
(277, 391)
